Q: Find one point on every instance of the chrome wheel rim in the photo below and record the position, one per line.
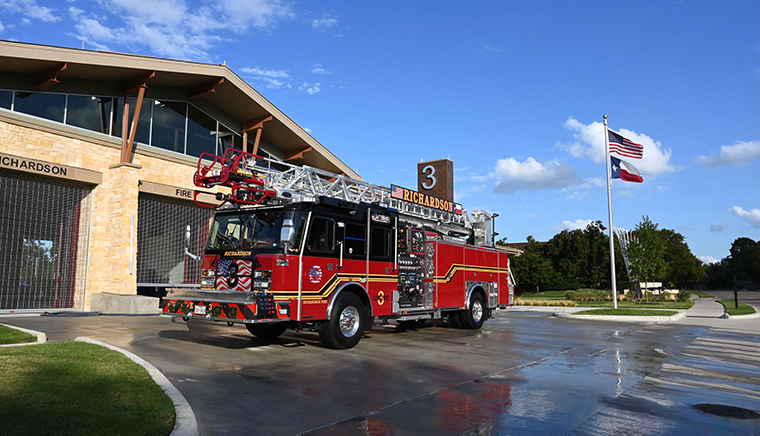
(477, 310)
(349, 321)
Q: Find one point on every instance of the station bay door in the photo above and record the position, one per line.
(44, 232)
(161, 258)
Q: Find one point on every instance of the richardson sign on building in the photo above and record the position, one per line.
(415, 197)
(26, 165)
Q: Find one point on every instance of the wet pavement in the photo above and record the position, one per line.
(523, 373)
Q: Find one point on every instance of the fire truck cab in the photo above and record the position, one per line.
(335, 265)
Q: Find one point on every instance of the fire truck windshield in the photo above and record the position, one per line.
(252, 230)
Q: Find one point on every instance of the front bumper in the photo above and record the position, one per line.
(243, 307)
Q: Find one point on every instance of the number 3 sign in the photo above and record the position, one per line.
(436, 178)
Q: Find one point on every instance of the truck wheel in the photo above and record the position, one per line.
(454, 320)
(267, 331)
(345, 327)
(473, 317)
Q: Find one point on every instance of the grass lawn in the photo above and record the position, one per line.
(701, 294)
(13, 336)
(76, 388)
(731, 309)
(627, 312)
(548, 295)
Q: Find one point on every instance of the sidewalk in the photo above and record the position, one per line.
(705, 308)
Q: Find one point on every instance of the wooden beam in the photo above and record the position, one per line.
(255, 141)
(136, 117)
(49, 78)
(133, 85)
(124, 134)
(257, 123)
(204, 89)
(296, 154)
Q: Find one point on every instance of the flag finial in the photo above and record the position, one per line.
(605, 116)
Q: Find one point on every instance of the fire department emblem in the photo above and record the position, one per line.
(233, 275)
(315, 274)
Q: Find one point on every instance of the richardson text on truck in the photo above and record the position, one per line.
(305, 249)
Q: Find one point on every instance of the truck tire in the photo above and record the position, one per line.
(475, 315)
(267, 331)
(345, 327)
(454, 320)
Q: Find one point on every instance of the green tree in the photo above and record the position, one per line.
(646, 253)
(744, 261)
(682, 268)
(533, 272)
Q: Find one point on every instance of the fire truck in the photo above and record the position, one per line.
(296, 247)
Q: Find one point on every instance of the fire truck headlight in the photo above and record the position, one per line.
(261, 284)
(208, 273)
(207, 282)
(262, 273)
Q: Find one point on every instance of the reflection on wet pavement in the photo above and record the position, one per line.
(633, 386)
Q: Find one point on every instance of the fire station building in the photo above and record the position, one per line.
(97, 156)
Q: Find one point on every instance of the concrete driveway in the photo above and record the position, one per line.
(523, 373)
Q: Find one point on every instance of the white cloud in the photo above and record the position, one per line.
(461, 193)
(513, 175)
(271, 78)
(578, 224)
(737, 155)
(310, 89)
(319, 69)
(750, 216)
(590, 145)
(171, 28)
(31, 9)
(324, 23)
(1, 26)
(708, 259)
(487, 47)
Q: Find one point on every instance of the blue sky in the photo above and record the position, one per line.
(512, 92)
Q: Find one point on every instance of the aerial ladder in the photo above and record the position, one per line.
(255, 180)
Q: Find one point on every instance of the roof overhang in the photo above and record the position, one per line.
(39, 66)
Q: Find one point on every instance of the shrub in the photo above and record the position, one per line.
(588, 295)
(683, 295)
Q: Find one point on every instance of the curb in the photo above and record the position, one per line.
(749, 316)
(41, 337)
(185, 423)
(544, 309)
(676, 317)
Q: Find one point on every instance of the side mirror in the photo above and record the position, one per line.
(287, 233)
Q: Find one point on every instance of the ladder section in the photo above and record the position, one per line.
(257, 180)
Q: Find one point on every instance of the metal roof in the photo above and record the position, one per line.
(25, 65)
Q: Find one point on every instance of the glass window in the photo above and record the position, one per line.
(201, 132)
(89, 112)
(48, 106)
(356, 240)
(322, 235)
(5, 99)
(379, 243)
(228, 139)
(169, 125)
(143, 124)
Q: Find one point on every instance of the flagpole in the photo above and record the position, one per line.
(609, 211)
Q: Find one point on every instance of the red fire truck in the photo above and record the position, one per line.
(301, 248)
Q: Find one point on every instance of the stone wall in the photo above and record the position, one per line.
(112, 257)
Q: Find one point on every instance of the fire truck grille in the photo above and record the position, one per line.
(266, 307)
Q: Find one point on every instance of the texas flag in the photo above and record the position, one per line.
(625, 171)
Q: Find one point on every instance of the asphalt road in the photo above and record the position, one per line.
(523, 373)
